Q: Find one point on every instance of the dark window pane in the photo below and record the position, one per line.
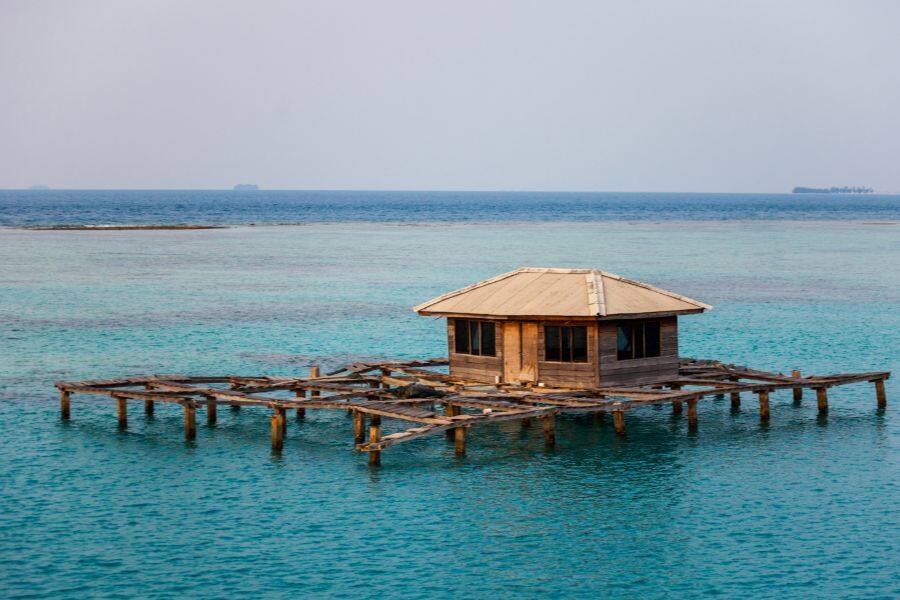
(474, 337)
(624, 348)
(461, 333)
(487, 339)
(551, 343)
(639, 340)
(566, 344)
(651, 337)
(579, 344)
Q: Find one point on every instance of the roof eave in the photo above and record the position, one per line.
(610, 317)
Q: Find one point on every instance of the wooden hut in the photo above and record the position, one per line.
(565, 327)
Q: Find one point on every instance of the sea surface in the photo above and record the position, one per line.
(805, 507)
(22, 208)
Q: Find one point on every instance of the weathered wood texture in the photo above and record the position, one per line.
(640, 370)
(360, 389)
(569, 374)
(484, 369)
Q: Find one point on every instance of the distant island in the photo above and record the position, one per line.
(832, 190)
(246, 186)
(39, 187)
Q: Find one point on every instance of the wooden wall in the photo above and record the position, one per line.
(475, 368)
(569, 374)
(603, 367)
(639, 370)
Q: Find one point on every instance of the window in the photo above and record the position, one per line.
(474, 337)
(565, 344)
(639, 339)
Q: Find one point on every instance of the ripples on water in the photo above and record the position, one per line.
(92, 207)
(803, 507)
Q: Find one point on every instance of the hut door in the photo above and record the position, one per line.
(519, 351)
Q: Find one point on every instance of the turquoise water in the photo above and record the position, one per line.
(804, 507)
(19, 208)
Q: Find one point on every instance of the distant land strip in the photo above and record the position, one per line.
(120, 227)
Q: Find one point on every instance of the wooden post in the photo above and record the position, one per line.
(763, 406)
(676, 407)
(692, 413)
(459, 440)
(599, 417)
(735, 400)
(149, 407)
(313, 374)
(277, 429)
(301, 412)
(235, 408)
(359, 427)
(798, 392)
(122, 412)
(211, 411)
(65, 404)
(619, 421)
(549, 430)
(526, 423)
(374, 437)
(190, 420)
(385, 373)
(822, 400)
(879, 393)
(450, 411)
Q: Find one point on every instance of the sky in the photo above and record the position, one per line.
(737, 96)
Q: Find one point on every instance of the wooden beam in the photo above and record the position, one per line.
(764, 413)
(190, 420)
(880, 396)
(822, 400)
(65, 404)
(619, 422)
(374, 438)
(122, 411)
(798, 391)
(549, 430)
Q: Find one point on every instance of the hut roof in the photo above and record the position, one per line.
(559, 293)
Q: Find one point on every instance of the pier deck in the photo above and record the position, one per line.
(432, 402)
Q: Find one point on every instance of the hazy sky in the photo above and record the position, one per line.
(657, 96)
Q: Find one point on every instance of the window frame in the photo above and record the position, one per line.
(637, 338)
(564, 336)
(476, 330)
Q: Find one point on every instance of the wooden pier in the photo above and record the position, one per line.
(433, 402)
